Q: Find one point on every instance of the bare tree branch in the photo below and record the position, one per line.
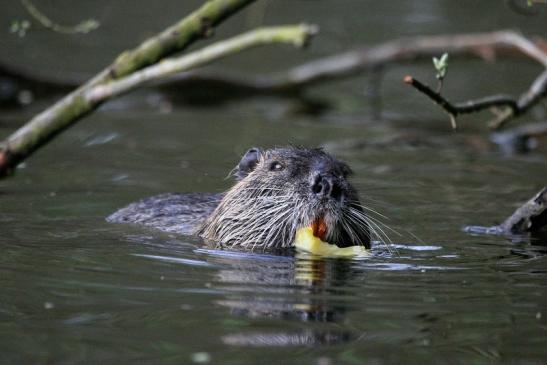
(520, 139)
(295, 80)
(74, 106)
(487, 46)
(296, 35)
(529, 218)
(535, 93)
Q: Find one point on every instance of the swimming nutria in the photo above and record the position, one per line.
(277, 191)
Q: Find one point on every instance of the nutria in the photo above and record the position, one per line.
(277, 191)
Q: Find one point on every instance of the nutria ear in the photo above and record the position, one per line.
(247, 163)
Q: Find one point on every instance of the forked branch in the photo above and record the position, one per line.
(514, 107)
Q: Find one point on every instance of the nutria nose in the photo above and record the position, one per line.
(326, 186)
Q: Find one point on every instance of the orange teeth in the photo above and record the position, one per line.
(319, 228)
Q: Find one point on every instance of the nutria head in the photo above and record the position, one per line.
(280, 190)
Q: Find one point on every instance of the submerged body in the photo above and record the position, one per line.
(181, 213)
(277, 192)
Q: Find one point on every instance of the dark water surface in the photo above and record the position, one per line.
(75, 289)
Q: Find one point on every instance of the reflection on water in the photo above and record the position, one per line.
(295, 290)
(294, 287)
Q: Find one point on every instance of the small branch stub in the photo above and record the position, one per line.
(436, 97)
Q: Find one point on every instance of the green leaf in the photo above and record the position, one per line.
(444, 58)
(441, 65)
(436, 63)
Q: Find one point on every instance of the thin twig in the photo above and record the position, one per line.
(537, 91)
(470, 106)
(296, 35)
(439, 86)
(85, 26)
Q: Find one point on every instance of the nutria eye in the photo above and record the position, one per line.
(276, 166)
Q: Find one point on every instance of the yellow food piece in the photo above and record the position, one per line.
(306, 241)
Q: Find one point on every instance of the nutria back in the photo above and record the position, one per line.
(179, 213)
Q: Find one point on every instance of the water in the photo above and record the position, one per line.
(78, 290)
